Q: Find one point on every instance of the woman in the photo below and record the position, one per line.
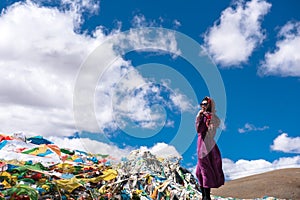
(209, 167)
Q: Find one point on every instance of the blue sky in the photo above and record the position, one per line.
(144, 99)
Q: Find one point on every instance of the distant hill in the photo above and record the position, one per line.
(282, 183)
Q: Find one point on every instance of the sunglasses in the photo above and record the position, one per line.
(203, 104)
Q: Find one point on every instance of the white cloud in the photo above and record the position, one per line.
(79, 6)
(232, 40)
(250, 127)
(133, 97)
(144, 39)
(243, 168)
(90, 146)
(222, 125)
(181, 101)
(139, 21)
(285, 60)
(142, 103)
(286, 144)
(162, 150)
(131, 100)
(169, 123)
(176, 23)
(74, 7)
(40, 56)
(88, 6)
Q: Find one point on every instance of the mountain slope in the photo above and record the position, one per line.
(282, 183)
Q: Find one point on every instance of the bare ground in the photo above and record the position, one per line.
(282, 183)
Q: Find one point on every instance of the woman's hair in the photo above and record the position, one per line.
(210, 104)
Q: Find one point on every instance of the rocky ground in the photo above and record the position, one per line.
(282, 183)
